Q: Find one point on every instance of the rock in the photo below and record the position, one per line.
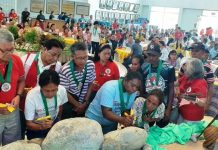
(130, 138)
(74, 134)
(21, 145)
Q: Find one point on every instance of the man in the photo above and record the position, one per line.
(198, 50)
(113, 99)
(70, 20)
(160, 75)
(77, 77)
(82, 22)
(25, 16)
(34, 65)
(95, 37)
(12, 85)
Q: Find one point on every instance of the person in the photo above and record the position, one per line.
(44, 100)
(51, 16)
(136, 48)
(105, 68)
(136, 64)
(115, 25)
(60, 16)
(77, 76)
(192, 92)
(34, 65)
(113, 99)
(41, 18)
(82, 22)
(160, 75)
(213, 107)
(2, 15)
(12, 85)
(198, 51)
(172, 59)
(25, 16)
(147, 111)
(87, 39)
(70, 20)
(130, 41)
(12, 15)
(164, 51)
(95, 37)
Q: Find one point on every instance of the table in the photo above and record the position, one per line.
(123, 53)
(190, 145)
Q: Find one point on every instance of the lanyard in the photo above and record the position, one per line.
(158, 73)
(36, 60)
(46, 105)
(144, 111)
(8, 73)
(123, 106)
(74, 76)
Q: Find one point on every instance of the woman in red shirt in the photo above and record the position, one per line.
(193, 92)
(12, 15)
(105, 68)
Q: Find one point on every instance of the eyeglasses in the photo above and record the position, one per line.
(85, 58)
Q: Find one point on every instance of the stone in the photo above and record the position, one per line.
(21, 145)
(130, 138)
(74, 134)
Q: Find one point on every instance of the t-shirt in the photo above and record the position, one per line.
(189, 110)
(34, 104)
(16, 74)
(138, 111)
(95, 34)
(167, 76)
(108, 96)
(2, 15)
(67, 80)
(105, 73)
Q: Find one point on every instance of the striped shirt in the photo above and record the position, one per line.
(67, 80)
(208, 75)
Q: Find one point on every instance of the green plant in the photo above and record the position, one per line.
(31, 37)
(14, 31)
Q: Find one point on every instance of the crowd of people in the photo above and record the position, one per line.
(162, 84)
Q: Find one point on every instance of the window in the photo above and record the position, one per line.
(164, 17)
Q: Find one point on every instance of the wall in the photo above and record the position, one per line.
(190, 10)
(94, 5)
(7, 5)
(189, 18)
(26, 4)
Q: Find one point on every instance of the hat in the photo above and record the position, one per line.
(198, 47)
(154, 49)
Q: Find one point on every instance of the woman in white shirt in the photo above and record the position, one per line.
(43, 103)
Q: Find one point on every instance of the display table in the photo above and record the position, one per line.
(190, 145)
(123, 53)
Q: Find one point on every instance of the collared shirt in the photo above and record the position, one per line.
(16, 74)
(67, 80)
(34, 104)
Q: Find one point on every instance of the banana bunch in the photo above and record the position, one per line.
(9, 107)
(44, 118)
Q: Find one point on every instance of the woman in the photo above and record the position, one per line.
(105, 68)
(42, 107)
(192, 92)
(113, 99)
(12, 15)
(148, 111)
(172, 59)
(136, 64)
